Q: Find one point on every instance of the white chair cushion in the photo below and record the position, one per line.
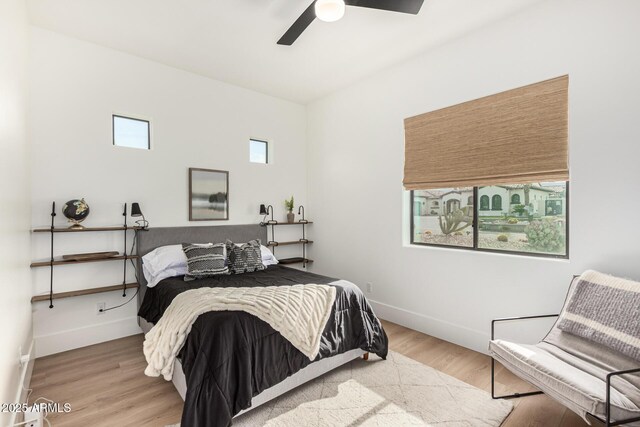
(576, 389)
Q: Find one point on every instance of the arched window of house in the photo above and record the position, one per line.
(515, 199)
(496, 203)
(470, 201)
(484, 203)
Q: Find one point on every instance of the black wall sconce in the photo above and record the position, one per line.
(264, 210)
(302, 221)
(136, 213)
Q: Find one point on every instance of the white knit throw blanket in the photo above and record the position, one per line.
(298, 312)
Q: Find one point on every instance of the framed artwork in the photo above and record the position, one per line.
(208, 195)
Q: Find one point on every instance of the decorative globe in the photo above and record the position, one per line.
(76, 211)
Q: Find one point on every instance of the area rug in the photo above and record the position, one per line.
(395, 392)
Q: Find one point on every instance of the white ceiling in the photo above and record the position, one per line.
(235, 40)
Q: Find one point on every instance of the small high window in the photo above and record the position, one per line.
(258, 151)
(515, 199)
(131, 133)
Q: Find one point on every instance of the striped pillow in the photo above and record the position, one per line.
(205, 260)
(606, 310)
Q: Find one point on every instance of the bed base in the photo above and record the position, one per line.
(304, 375)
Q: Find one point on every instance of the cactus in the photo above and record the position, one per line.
(455, 221)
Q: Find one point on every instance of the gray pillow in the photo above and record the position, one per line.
(205, 260)
(606, 310)
(245, 258)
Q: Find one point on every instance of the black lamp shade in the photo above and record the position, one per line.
(263, 210)
(135, 210)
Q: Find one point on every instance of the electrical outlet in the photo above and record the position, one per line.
(369, 287)
(24, 359)
(33, 417)
(100, 306)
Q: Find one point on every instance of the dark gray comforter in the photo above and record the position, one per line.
(231, 356)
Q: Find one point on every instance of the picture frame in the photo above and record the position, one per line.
(208, 195)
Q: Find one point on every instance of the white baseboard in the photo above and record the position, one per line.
(85, 336)
(463, 336)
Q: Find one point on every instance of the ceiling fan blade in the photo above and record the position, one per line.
(299, 26)
(403, 6)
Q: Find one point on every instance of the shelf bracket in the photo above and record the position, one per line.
(124, 273)
(53, 216)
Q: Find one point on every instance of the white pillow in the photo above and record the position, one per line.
(154, 279)
(163, 262)
(268, 258)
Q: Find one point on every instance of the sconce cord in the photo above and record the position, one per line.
(135, 272)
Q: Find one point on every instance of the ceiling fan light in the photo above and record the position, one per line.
(329, 10)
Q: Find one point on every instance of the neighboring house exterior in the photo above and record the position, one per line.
(435, 202)
(494, 200)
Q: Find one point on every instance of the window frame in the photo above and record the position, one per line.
(137, 119)
(475, 247)
(266, 148)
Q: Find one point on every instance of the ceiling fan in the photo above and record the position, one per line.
(333, 10)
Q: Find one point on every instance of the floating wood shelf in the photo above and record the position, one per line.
(295, 260)
(80, 292)
(62, 262)
(293, 242)
(83, 258)
(287, 223)
(79, 230)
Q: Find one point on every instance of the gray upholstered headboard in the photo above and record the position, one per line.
(153, 238)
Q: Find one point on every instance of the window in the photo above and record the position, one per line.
(450, 226)
(496, 203)
(258, 151)
(484, 203)
(535, 223)
(131, 133)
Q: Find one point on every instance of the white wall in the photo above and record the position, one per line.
(196, 122)
(15, 308)
(356, 161)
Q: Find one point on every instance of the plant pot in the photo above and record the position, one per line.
(290, 217)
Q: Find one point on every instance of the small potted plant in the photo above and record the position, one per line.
(288, 204)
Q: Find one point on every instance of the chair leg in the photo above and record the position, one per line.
(506, 396)
(365, 356)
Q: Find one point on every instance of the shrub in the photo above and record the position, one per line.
(512, 221)
(503, 238)
(544, 235)
(458, 233)
(519, 209)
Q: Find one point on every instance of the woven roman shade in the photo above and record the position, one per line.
(517, 136)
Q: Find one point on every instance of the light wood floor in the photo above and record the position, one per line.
(106, 386)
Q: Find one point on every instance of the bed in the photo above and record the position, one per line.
(231, 361)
